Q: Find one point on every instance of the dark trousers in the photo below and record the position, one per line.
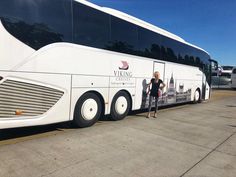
(150, 103)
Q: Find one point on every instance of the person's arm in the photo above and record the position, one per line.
(162, 85)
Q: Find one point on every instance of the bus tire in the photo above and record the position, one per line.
(120, 106)
(87, 110)
(197, 97)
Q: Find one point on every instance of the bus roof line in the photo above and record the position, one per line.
(132, 19)
(151, 27)
(138, 22)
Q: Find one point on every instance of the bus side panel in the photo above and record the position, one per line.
(205, 88)
(82, 84)
(58, 112)
(207, 96)
(69, 58)
(143, 72)
(181, 82)
(141, 96)
(9, 47)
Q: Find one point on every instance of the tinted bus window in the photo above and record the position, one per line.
(37, 23)
(124, 37)
(197, 56)
(190, 55)
(149, 43)
(169, 49)
(182, 53)
(91, 27)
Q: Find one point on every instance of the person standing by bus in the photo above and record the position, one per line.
(153, 89)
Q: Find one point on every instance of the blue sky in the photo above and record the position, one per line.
(209, 24)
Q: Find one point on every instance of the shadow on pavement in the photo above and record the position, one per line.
(13, 133)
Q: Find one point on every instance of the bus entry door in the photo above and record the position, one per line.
(160, 67)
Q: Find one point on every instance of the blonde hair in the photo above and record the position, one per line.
(156, 74)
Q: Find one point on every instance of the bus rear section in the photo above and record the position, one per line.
(29, 98)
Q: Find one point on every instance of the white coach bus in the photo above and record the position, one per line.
(71, 60)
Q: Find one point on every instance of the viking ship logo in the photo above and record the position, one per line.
(125, 65)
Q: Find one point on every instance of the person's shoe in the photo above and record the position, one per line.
(148, 116)
(155, 115)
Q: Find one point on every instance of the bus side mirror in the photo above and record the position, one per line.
(214, 65)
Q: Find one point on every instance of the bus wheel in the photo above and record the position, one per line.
(87, 110)
(120, 106)
(197, 96)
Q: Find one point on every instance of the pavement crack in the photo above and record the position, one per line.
(209, 153)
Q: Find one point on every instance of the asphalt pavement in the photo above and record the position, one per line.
(190, 140)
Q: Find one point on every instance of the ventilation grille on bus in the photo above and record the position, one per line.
(24, 99)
